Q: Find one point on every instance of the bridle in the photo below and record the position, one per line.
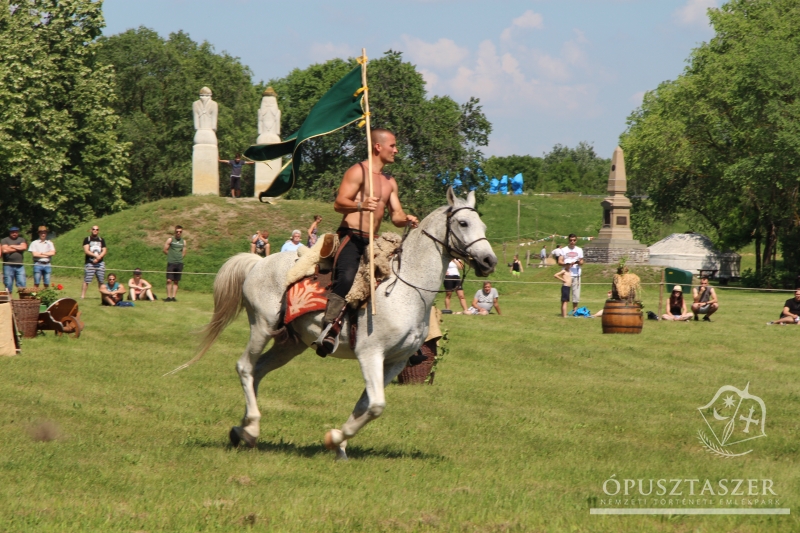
(454, 251)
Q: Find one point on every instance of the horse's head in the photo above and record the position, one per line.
(466, 234)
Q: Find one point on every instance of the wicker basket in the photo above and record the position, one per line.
(26, 293)
(416, 375)
(27, 314)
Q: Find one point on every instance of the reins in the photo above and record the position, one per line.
(453, 251)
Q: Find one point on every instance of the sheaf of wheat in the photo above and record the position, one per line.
(715, 449)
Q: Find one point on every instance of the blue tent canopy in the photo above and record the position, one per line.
(504, 185)
(517, 183)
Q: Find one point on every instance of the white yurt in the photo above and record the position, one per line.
(694, 252)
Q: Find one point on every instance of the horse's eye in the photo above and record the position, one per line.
(462, 224)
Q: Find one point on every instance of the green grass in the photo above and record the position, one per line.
(528, 416)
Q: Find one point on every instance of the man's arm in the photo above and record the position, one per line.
(713, 298)
(104, 290)
(102, 254)
(695, 295)
(166, 245)
(267, 249)
(399, 218)
(224, 161)
(346, 202)
(86, 249)
(497, 306)
(120, 289)
(249, 162)
(475, 301)
(185, 246)
(786, 312)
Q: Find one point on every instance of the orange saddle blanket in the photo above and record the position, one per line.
(306, 296)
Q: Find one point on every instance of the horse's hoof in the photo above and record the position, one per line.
(235, 439)
(341, 455)
(333, 438)
(250, 440)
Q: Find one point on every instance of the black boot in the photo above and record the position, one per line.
(328, 340)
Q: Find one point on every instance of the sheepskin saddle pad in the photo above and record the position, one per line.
(308, 281)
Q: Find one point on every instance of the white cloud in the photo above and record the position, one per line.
(527, 21)
(430, 77)
(694, 12)
(326, 51)
(443, 53)
(637, 98)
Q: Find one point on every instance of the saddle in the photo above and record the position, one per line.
(309, 280)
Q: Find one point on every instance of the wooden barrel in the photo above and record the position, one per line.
(622, 317)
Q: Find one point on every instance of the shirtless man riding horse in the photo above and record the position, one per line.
(355, 204)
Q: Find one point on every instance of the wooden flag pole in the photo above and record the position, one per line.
(369, 166)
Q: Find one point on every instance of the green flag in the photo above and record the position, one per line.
(337, 108)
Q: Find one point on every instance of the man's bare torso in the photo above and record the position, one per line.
(382, 188)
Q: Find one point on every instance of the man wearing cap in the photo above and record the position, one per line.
(94, 247)
(42, 251)
(12, 248)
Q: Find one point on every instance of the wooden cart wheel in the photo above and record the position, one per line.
(71, 326)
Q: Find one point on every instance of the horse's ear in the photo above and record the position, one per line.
(471, 199)
(451, 197)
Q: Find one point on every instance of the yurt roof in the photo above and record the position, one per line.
(685, 244)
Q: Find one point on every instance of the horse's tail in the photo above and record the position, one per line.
(228, 301)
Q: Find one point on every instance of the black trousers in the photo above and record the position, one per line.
(349, 258)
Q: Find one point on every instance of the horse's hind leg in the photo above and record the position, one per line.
(369, 407)
(251, 373)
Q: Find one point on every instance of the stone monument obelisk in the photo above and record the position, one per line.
(615, 239)
(269, 132)
(205, 156)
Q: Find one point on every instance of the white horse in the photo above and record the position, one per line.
(385, 341)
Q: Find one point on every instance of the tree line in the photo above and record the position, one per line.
(721, 143)
(90, 124)
(563, 169)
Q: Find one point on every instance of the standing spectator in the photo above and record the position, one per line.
(791, 311)
(543, 257)
(705, 300)
(294, 243)
(452, 282)
(260, 243)
(312, 231)
(175, 250)
(565, 278)
(484, 300)
(94, 246)
(557, 254)
(12, 248)
(677, 306)
(236, 179)
(572, 255)
(111, 293)
(42, 251)
(140, 289)
(516, 266)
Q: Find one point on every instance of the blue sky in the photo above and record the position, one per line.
(546, 71)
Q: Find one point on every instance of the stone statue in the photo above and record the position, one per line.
(205, 155)
(269, 132)
(205, 118)
(269, 118)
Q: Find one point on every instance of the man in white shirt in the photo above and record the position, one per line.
(42, 251)
(543, 257)
(573, 255)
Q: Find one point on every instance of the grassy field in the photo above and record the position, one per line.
(529, 415)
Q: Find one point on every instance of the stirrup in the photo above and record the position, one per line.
(324, 349)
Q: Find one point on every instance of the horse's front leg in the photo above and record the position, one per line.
(377, 376)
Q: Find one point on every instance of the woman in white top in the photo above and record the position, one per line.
(452, 282)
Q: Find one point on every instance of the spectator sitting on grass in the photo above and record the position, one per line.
(791, 311)
(294, 243)
(260, 243)
(111, 292)
(140, 288)
(516, 266)
(676, 308)
(484, 301)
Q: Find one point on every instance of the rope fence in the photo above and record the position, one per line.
(493, 282)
